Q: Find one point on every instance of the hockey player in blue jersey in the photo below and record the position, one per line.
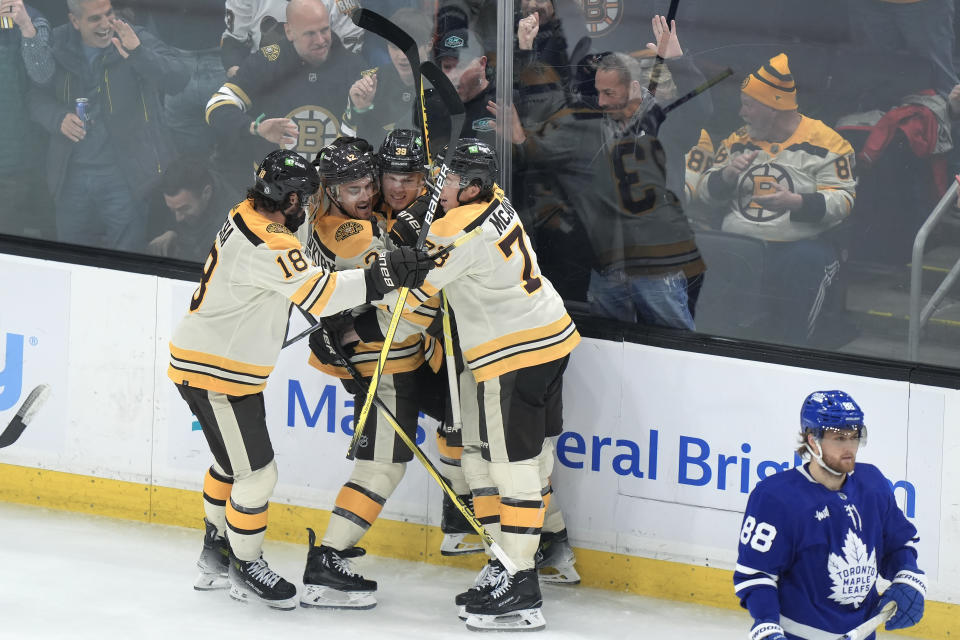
(815, 539)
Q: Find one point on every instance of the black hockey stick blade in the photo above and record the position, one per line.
(376, 23)
(25, 413)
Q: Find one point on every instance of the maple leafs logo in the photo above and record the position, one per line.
(853, 574)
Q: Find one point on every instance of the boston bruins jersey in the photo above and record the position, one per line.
(815, 162)
(245, 20)
(230, 339)
(276, 82)
(509, 316)
(341, 243)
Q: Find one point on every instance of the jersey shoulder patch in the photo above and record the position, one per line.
(271, 52)
(345, 237)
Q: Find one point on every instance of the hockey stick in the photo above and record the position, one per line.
(693, 93)
(495, 548)
(448, 94)
(25, 413)
(375, 23)
(862, 631)
(452, 381)
(660, 60)
(314, 325)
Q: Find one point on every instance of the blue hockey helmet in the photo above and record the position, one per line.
(830, 410)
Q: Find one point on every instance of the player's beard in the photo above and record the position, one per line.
(842, 461)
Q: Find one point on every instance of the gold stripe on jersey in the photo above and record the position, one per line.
(526, 348)
(315, 293)
(459, 219)
(433, 353)
(404, 356)
(216, 373)
(228, 95)
(811, 136)
(256, 226)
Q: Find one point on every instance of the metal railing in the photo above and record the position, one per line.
(918, 317)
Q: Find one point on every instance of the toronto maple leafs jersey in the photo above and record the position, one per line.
(810, 556)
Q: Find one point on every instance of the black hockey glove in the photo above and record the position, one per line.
(321, 345)
(402, 267)
(405, 230)
(327, 343)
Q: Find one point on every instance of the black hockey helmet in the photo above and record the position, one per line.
(284, 172)
(474, 160)
(402, 152)
(345, 160)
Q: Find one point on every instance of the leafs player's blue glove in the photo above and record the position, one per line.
(767, 630)
(909, 601)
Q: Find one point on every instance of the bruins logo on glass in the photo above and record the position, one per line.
(271, 52)
(317, 128)
(276, 227)
(601, 16)
(347, 229)
(757, 181)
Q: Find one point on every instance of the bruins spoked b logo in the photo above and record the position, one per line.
(317, 128)
(601, 16)
(759, 180)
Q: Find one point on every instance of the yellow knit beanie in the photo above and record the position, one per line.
(772, 84)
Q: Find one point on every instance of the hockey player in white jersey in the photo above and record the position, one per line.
(815, 538)
(515, 336)
(344, 236)
(223, 351)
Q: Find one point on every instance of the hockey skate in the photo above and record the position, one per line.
(329, 581)
(513, 604)
(455, 529)
(555, 559)
(255, 581)
(214, 561)
(485, 580)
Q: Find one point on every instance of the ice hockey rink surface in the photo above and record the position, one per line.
(65, 575)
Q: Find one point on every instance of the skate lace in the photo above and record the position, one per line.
(343, 565)
(501, 585)
(489, 575)
(262, 573)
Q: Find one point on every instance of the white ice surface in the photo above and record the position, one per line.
(65, 575)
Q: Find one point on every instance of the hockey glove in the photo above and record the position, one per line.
(402, 267)
(327, 343)
(767, 630)
(405, 230)
(909, 599)
(321, 345)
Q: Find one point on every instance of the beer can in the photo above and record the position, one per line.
(6, 23)
(82, 108)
